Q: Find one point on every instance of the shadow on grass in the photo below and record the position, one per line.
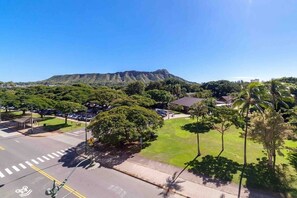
(10, 116)
(200, 127)
(258, 176)
(217, 170)
(50, 128)
(47, 118)
(293, 159)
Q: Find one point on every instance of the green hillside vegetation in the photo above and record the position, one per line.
(118, 78)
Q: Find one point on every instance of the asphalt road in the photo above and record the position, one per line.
(28, 166)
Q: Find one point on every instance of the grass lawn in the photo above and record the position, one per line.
(177, 146)
(53, 124)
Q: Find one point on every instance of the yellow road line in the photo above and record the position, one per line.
(71, 190)
(2, 148)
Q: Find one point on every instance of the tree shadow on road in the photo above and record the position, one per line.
(106, 156)
(172, 184)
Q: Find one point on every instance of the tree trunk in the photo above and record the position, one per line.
(198, 144)
(274, 159)
(269, 153)
(198, 139)
(245, 137)
(223, 148)
(24, 112)
(66, 117)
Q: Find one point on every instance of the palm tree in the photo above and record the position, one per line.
(279, 96)
(250, 97)
(198, 110)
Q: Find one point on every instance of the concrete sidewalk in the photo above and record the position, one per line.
(180, 186)
(187, 184)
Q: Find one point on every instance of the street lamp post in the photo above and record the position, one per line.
(0, 111)
(55, 189)
(86, 139)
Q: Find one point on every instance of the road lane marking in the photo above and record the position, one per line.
(34, 161)
(28, 163)
(45, 158)
(16, 168)
(55, 154)
(50, 156)
(1, 175)
(8, 171)
(40, 159)
(2, 148)
(68, 188)
(63, 151)
(22, 165)
(60, 153)
(17, 141)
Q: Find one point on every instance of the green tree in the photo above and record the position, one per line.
(135, 88)
(9, 99)
(67, 107)
(250, 97)
(125, 124)
(199, 110)
(269, 129)
(104, 96)
(39, 103)
(221, 87)
(279, 94)
(223, 118)
(160, 96)
(143, 101)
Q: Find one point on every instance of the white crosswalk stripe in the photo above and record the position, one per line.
(34, 161)
(69, 150)
(22, 165)
(1, 175)
(55, 154)
(16, 168)
(40, 159)
(45, 158)
(50, 156)
(28, 163)
(8, 171)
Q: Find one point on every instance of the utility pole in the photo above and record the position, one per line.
(0, 111)
(31, 120)
(86, 139)
(55, 189)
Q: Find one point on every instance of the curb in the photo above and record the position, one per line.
(149, 182)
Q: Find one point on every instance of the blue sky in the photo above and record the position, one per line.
(199, 40)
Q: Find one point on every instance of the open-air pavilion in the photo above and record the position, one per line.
(22, 122)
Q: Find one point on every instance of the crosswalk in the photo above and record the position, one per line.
(23, 165)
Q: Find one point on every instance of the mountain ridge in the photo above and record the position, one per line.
(117, 78)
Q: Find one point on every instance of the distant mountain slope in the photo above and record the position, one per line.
(117, 78)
